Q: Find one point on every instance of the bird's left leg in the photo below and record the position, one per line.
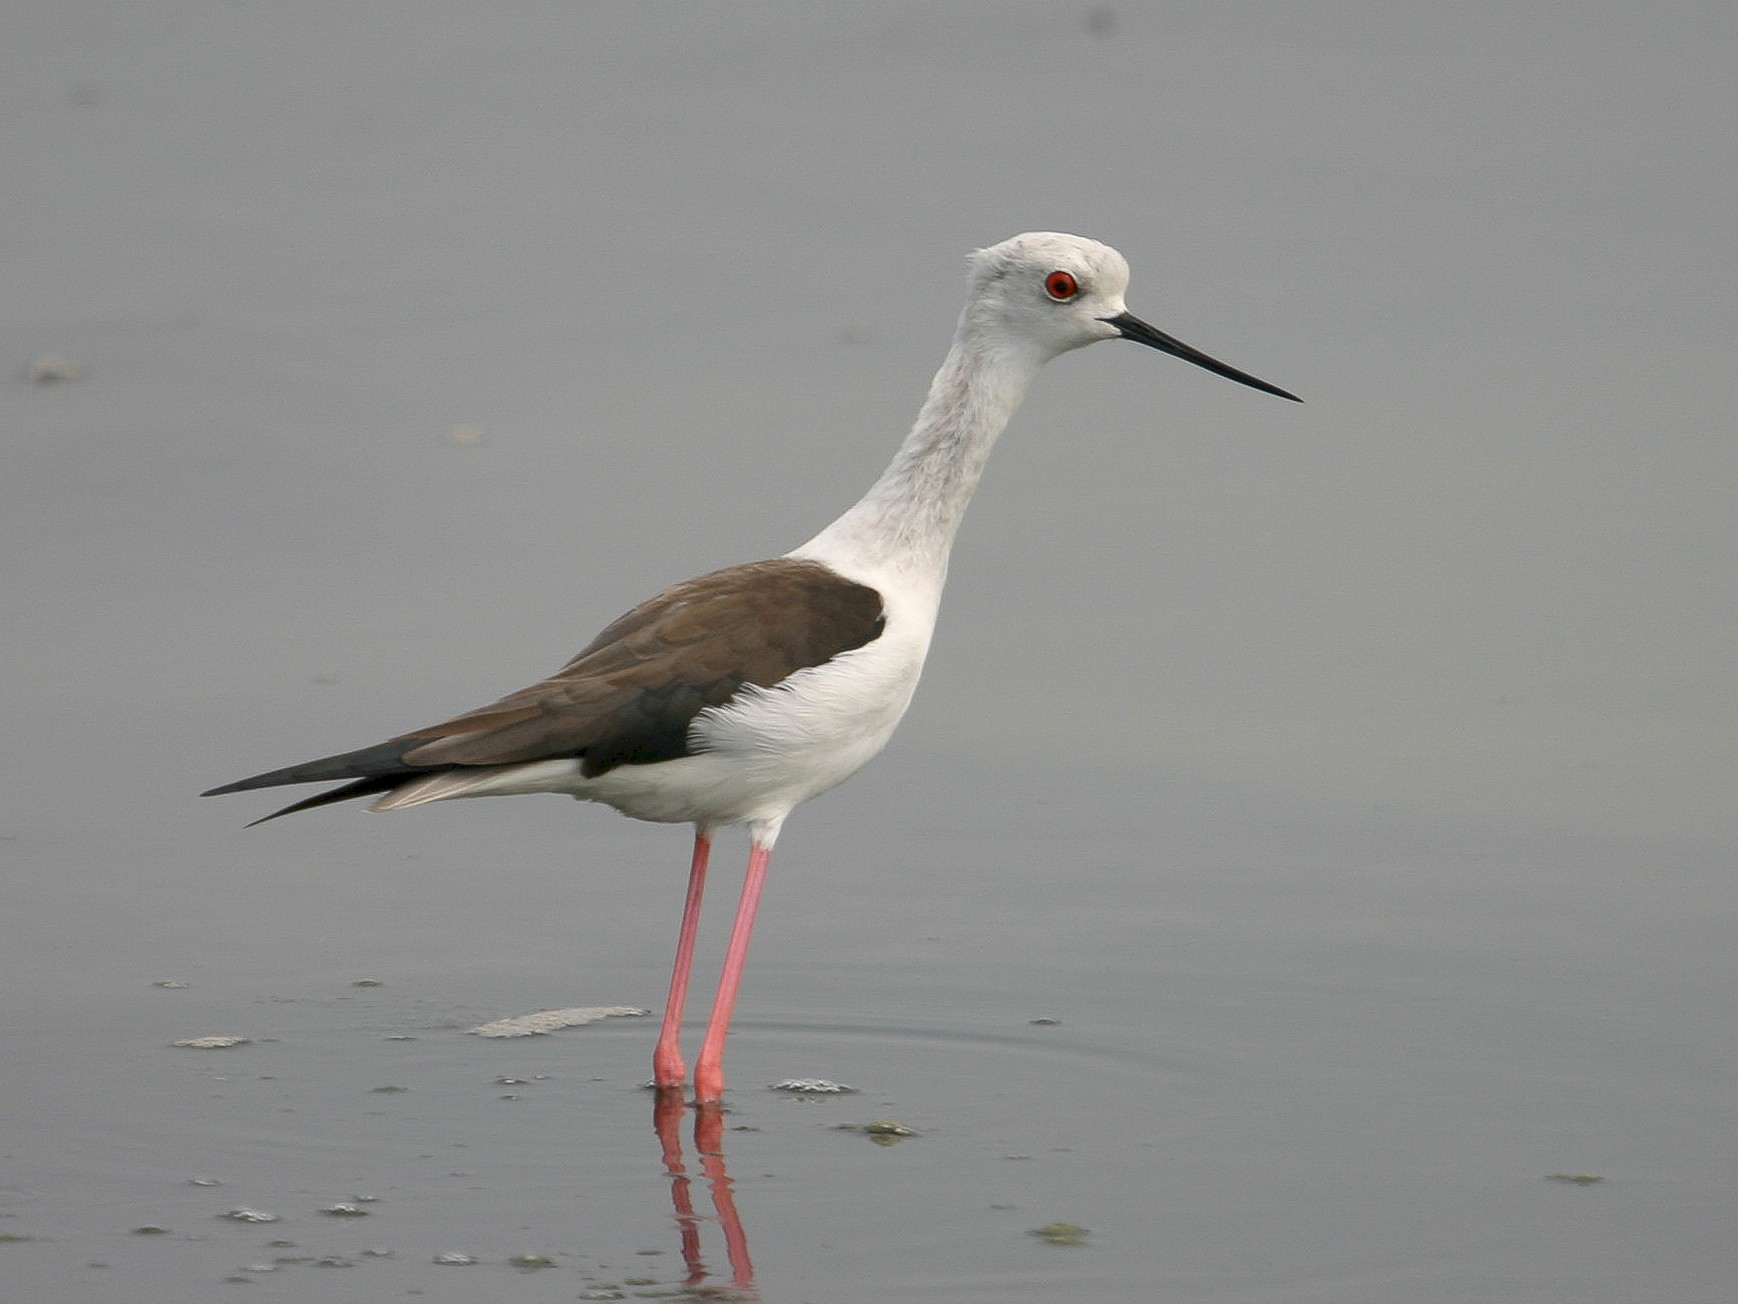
(667, 1067)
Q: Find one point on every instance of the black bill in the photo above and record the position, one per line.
(1133, 328)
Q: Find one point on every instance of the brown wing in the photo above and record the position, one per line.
(629, 697)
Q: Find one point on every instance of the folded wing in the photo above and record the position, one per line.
(630, 696)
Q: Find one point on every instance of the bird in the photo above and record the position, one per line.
(732, 698)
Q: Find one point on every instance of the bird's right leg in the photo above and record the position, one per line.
(668, 1070)
(709, 1068)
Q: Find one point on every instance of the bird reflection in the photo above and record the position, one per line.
(667, 1114)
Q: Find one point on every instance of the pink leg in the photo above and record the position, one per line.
(709, 1068)
(667, 1067)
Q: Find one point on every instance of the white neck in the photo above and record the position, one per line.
(907, 521)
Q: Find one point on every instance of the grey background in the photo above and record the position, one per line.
(1356, 777)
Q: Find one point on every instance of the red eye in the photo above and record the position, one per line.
(1060, 286)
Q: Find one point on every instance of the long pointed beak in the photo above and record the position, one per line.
(1133, 328)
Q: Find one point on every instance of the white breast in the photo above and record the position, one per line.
(770, 749)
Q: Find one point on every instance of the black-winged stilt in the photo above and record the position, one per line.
(735, 697)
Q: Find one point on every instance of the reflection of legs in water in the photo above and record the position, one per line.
(667, 1112)
(709, 1141)
(667, 1122)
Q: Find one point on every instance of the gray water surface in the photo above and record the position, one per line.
(1313, 835)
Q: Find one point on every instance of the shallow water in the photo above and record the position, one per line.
(1313, 834)
(1354, 1086)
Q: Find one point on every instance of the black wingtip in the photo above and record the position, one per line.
(360, 788)
(383, 760)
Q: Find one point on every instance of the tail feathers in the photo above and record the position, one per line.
(380, 761)
(381, 769)
(438, 786)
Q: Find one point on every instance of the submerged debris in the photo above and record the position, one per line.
(883, 1131)
(1061, 1233)
(546, 1021)
(454, 1258)
(1575, 1179)
(212, 1043)
(244, 1214)
(344, 1209)
(812, 1087)
(51, 370)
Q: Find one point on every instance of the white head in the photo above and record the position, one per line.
(1044, 293)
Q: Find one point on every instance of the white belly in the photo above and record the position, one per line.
(770, 749)
(754, 760)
